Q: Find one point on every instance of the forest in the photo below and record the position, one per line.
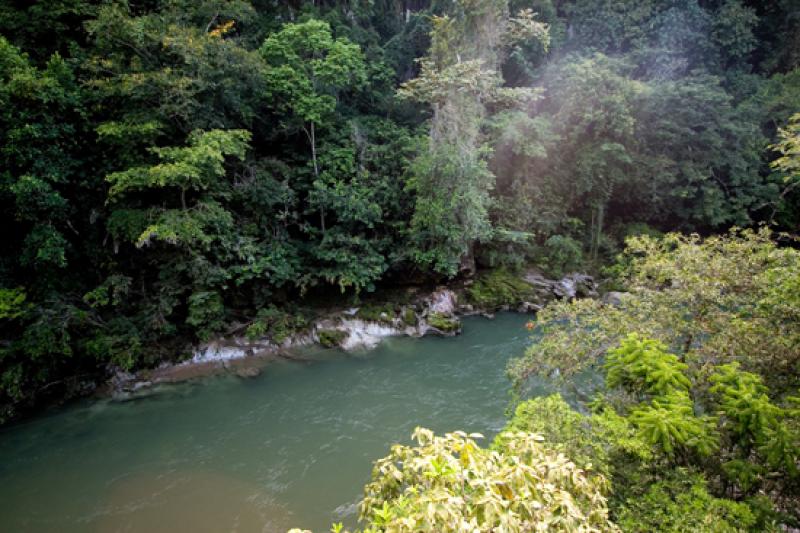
(173, 169)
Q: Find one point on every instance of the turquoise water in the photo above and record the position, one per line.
(292, 447)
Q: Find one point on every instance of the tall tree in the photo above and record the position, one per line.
(307, 69)
(459, 79)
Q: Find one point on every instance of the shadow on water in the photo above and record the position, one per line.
(290, 448)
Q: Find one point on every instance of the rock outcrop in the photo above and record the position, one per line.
(434, 313)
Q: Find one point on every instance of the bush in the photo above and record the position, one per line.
(602, 441)
(561, 254)
(450, 484)
(276, 324)
(206, 313)
(682, 503)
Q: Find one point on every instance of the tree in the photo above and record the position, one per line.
(707, 300)
(787, 164)
(193, 168)
(459, 78)
(450, 484)
(307, 69)
(723, 401)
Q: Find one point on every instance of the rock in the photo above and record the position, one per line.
(363, 334)
(248, 372)
(218, 351)
(120, 377)
(565, 288)
(528, 307)
(585, 287)
(121, 382)
(575, 285)
(409, 317)
(84, 388)
(442, 301)
(613, 298)
(139, 385)
(444, 324)
(537, 279)
(466, 309)
(331, 338)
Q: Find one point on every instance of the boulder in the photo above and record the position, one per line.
(575, 285)
(443, 324)
(528, 307)
(613, 298)
(442, 301)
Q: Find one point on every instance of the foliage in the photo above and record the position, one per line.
(451, 177)
(561, 254)
(276, 324)
(156, 154)
(190, 168)
(681, 502)
(451, 484)
(644, 365)
(707, 300)
(206, 313)
(711, 303)
(754, 423)
(12, 303)
(602, 441)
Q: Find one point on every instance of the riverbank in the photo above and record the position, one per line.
(416, 313)
(292, 447)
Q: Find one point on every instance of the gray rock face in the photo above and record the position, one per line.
(442, 301)
(571, 286)
(538, 280)
(613, 298)
(466, 309)
(528, 307)
(576, 285)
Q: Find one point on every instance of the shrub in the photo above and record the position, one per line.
(562, 254)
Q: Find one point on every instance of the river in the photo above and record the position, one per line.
(292, 447)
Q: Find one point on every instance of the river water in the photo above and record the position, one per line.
(292, 447)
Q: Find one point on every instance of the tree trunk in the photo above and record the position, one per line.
(599, 233)
(313, 139)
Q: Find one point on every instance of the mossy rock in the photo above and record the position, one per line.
(409, 317)
(331, 338)
(377, 313)
(496, 288)
(444, 323)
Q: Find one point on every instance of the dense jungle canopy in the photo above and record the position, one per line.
(172, 168)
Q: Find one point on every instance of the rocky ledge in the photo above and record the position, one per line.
(431, 313)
